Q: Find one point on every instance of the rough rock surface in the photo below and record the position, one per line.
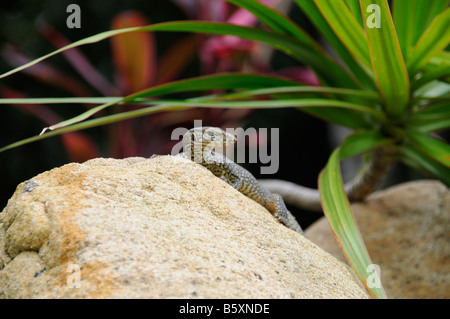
(406, 229)
(154, 228)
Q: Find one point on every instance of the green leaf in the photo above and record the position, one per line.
(435, 74)
(420, 9)
(366, 97)
(363, 74)
(93, 123)
(345, 117)
(361, 142)
(403, 15)
(88, 40)
(340, 217)
(434, 112)
(442, 57)
(299, 103)
(424, 12)
(435, 39)
(346, 27)
(220, 81)
(432, 93)
(325, 68)
(417, 159)
(434, 8)
(387, 60)
(435, 148)
(412, 18)
(432, 118)
(74, 124)
(429, 125)
(355, 8)
(275, 20)
(61, 100)
(81, 117)
(203, 102)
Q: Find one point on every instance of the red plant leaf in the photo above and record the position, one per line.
(172, 63)
(134, 53)
(79, 147)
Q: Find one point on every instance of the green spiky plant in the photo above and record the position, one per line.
(388, 81)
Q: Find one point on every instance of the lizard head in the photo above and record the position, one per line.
(208, 137)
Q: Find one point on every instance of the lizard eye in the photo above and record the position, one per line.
(210, 135)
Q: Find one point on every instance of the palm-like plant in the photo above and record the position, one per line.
(387, 80)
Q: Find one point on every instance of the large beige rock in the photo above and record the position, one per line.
(154, 228)
(406, 229)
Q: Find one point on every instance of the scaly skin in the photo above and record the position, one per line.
(199, 144)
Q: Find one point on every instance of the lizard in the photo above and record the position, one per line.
(199, 143)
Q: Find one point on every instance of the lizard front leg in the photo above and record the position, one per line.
(245, 183)
(281, 212)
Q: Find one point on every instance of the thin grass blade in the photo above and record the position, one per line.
(221, 81)
(166, 105)
(366, 97)
(93, 123)
(62, 100)
(88, 40)
(298, 103)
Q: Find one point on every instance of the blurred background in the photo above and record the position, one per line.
(128, 63)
